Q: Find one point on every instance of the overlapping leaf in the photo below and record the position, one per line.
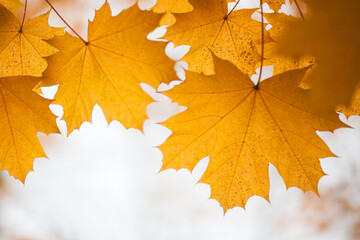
(12, 5)
(275, 4)
(23, 113)
(209, 28)
(331, 34)
(354, 107)
(171, 6)
(281, 63)
(108, 69)
(243, 128)
(174, 6)
(22, 48)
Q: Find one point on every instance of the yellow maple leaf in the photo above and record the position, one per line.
(330, 33)
(168, 19)
(354, 107)
(209, 28)
(169, 7)
(274, 4)
(23, 113)
(109, 67)
(12, 5)
(243, 128)
(174, 6)
(22, 48)
(281, 63)
(181, 6)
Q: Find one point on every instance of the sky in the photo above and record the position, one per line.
(103, 182)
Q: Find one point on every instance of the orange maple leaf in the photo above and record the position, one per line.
(281, 62)
(330, 33)
(210, 28)
(354, 107)
(23, 113)
(174, 6)
(109, 67)
(12, 5)
(243, 127)
(23, 46)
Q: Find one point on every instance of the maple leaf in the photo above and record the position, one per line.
(275, 4)
(281, 63)
(109, 67)
(12, 5)
(168, 19)
(174, 6)
(354, 107)
(22, 48)
(330, 33)
(23, 113)
(169, 7)
(243, 128)
(209, 28)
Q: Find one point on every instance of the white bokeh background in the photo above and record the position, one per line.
(103, 181)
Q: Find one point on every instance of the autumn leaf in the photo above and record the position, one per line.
(281, 62)
(23, 113)
(22, 48)
(171, 6)
(275, 4)
(168, 19)
(209, 28)
(109, 67)
(12, 5)
(243, 128)
(330, 33)
(174, 6)
(354, 107)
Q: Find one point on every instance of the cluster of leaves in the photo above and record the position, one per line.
(243, 126)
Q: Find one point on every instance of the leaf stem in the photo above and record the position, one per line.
(78, 35)
(298, 7)
(23, 19)
(237, 2)
(262, 42)
(303, 18)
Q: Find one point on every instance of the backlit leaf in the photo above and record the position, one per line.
(354, 107)
(23, 113)
(209, 28)
(12, 5)
(174, 6)
(22, 48)
(330, 33)
(281, 62)
(243, 128)
(109, 68)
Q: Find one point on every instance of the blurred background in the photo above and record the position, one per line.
(103, 181)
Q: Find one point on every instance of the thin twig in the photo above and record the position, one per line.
(23, 19)
(238, 1)
(262, 42)
(298, 7)
(52, 7)
(302, 16)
